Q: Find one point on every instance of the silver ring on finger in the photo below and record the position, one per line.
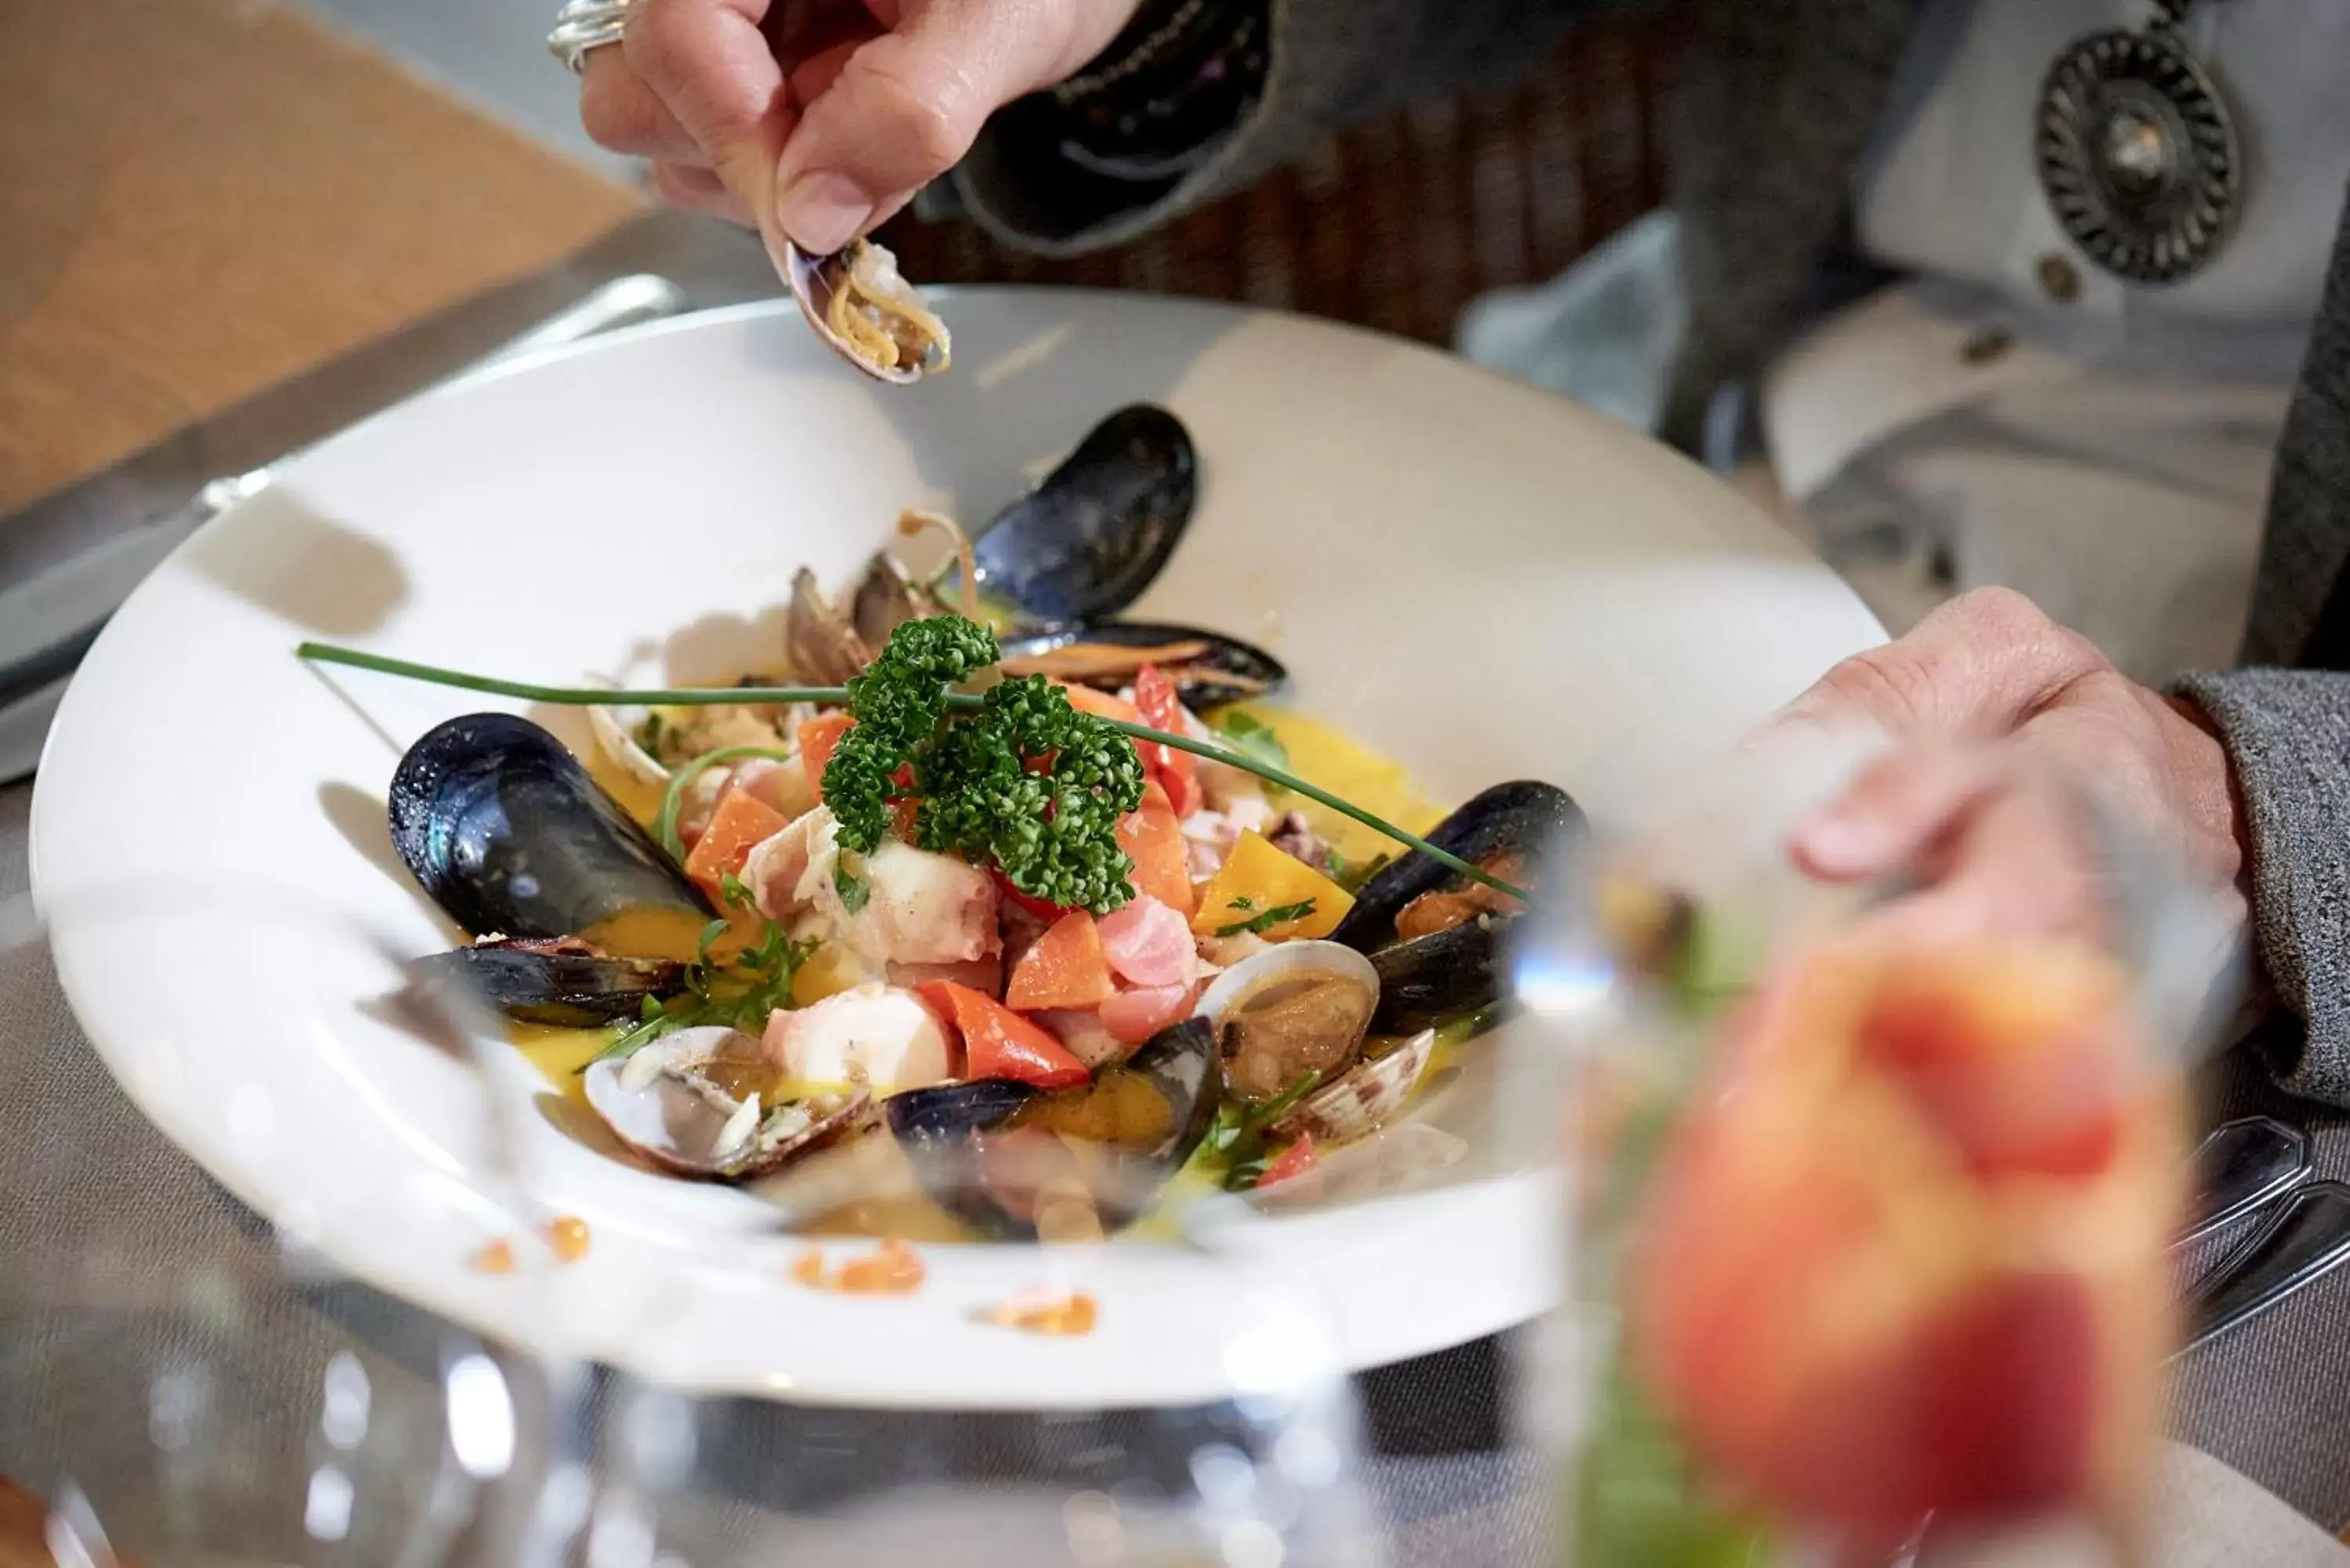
(584, 25)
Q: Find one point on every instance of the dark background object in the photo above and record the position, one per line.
(1400, 224)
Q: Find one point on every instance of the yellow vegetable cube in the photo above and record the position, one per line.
(1256, 879)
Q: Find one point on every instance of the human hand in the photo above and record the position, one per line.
(1988, 701)
(817, 120)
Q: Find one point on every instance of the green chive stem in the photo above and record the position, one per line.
(567, 696)
(725, 696)
(673, 799)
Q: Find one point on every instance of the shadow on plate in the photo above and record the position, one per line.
(281, 556)
(1036, 371)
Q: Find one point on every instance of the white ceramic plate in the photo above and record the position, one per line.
(1478, 579)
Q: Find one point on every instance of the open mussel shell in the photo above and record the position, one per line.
(974, 1161)
(867, 270)
(1444, 976)
(1086, 542)
(504, 830)
(566, 985)
(1364, 1099)
(1208, 669)
(1521, 820)
(1295, 1008)
(669, 1103)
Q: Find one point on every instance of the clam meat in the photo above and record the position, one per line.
(698, 1103)
(1294, 1009)
(863, 309)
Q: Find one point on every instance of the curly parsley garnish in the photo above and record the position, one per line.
(1037, 787)
(900, 703)
(1026, 782)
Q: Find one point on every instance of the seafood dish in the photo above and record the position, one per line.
(1054, 908)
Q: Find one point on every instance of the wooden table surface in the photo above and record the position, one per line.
(199, 198)
(202, 197)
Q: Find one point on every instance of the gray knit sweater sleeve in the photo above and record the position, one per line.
(2288, 732)
(1331, 64)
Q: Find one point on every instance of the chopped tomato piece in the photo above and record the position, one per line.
(1153, 840)
(819, 738)
(1161, 709)
(1133, 1017)
(1100, 705)
(741, 823)
(1063, 968)
(999, 1044)
(1037, 907)
(1295, 1161)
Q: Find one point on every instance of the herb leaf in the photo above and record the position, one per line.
(740, 992)
(1258, 924)
(1238, 1132)
(1249, 733)
(854, 890)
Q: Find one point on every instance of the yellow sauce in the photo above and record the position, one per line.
(638, 798)
(1120, 1107)
(1329, 758)
(560, 1054)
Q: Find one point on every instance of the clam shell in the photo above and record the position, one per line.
(1279, 959)
(1256, 1066)
(654, 1104)
(615, 731)
(1366, 1099)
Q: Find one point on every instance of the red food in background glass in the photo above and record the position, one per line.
(1905, 1250)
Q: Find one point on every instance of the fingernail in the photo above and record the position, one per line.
(822, 210)
(1839, 846)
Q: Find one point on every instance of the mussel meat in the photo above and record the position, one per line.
(1011, 1159)
(1295, 1008)
(1437, 939)
(563, 982)
(504, 830)
(691, 1103)
(860, 305)
(1085, 543)
(1207, 668)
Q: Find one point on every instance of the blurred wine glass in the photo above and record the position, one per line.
(1871, 1187)
(191, 1379)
